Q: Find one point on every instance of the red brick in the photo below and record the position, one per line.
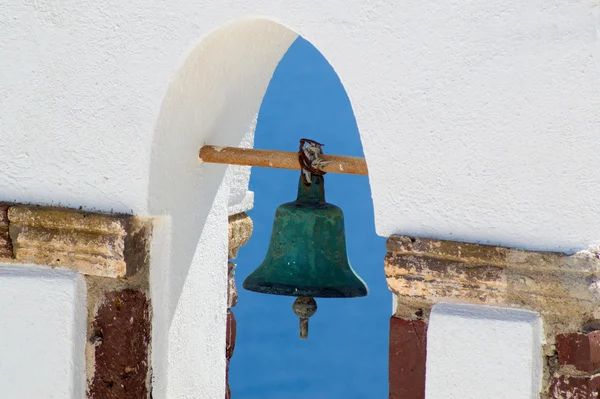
(579, 350)
(231, 332)
(121, 337)
(575, 387)
(227, 389)
(229, 347)
(408, 351)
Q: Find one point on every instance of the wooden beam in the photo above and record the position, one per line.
(279, 159)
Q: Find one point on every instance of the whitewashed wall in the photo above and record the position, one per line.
(478, 120)
(477, 351)
(42, 333)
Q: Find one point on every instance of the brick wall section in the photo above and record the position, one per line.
(408, 351)
(567, 387)
(121, 331)
(563, 289)
(112, 252)
(578, 366)
(119, 323)
(240, 230)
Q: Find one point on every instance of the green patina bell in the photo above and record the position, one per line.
(307, 254)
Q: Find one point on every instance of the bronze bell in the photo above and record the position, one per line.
(307, 254)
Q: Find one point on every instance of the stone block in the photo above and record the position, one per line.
(564, 289)
(91, 243)
(240, 230)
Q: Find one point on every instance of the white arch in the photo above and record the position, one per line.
(214, 98)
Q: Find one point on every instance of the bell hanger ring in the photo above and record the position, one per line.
(311, 162)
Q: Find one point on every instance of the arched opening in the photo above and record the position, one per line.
(214, 98)
(347, 350)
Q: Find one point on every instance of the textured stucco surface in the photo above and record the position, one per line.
(475, 351)
(478, 121)
(42, 333)
(192, 201)
(195, 361)
(563, 288)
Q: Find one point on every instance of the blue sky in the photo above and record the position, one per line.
(346, 353)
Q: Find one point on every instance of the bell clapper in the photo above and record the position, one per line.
(304, 307)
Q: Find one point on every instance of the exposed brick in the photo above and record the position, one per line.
(231, 333)
(569, 387)
(6, 250)
(229, 347)
(121, 336)
(240, 230)
(408, 351)
(579, 350)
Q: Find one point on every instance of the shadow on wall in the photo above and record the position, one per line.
(346, 353)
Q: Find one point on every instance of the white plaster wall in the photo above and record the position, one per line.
(478, 120)
(475, 351)
(42, 333)
(237, 179)
(197, 334)
(203, 104)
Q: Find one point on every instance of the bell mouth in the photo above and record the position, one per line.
(316, 292)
